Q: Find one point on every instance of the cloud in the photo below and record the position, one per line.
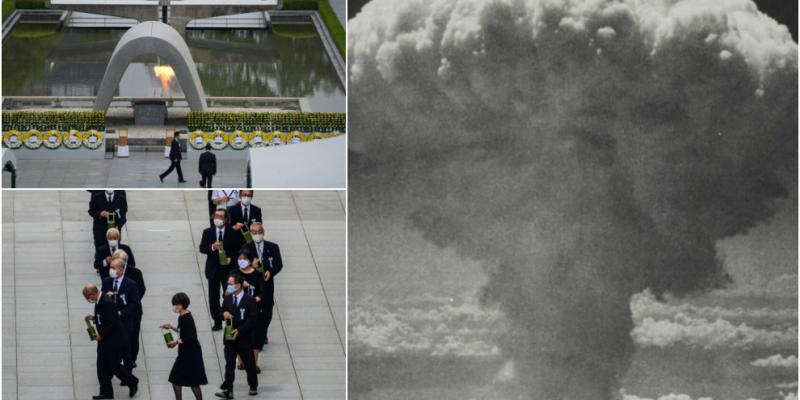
(707, 334)
(581, 150)
(645, 304)
(787, 385)
(671, 396)
(776, 360)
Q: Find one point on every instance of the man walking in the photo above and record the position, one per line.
(220, 238)
(242, 310)
(111, 344)
(125, 293)
(174, 158)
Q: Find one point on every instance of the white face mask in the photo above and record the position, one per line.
(243, 264)
(113, 243)
(219, 223)
(91, 300)
(112, 273)
(246, 200)
(258, 238)
(176, 310)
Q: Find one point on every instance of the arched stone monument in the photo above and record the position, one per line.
(152, 37)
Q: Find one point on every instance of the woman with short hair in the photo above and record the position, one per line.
(188, 369)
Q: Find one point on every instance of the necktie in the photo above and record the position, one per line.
(219, 235)
(115, 285)
(246, 213)
(109, 199)
(236, 302)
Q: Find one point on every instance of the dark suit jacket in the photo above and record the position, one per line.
(231, 241)
(100, 203)
(274, 267)
(135, 274)
(175, 150)
(113, 338)
(127, 298)
(237, 216)
(248, 308)
(208, 163)
(104, 251)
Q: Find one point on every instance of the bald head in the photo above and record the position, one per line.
(90, 293)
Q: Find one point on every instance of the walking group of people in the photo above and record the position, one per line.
(240, 267)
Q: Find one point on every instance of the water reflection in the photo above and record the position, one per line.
(290, 62)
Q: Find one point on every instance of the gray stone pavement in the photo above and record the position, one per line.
(47, 257)
(141, 169)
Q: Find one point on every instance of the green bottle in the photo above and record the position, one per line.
(167, 335)
(223, 256)
(248, 237)
(111, 220)
(92, 331)
(228, 329)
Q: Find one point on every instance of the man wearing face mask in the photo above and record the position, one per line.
(219, 236)
(242, 310)
(135, 274)
(245, 213)
(268, 258)
(110, 203)
(126, 296)
(111, 343)
(104, 253)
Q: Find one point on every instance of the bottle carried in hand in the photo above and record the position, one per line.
(229, 329)
(167, 336)
(223, 256)
(111, 221)
(92, 331)
(248, 237)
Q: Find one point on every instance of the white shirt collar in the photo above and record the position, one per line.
(239, 296)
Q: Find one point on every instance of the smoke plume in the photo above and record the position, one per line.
(583, 150)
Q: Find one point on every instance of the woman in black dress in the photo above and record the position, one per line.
(188, 369)
(254, 287)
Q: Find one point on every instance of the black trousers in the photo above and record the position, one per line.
(248, 359)
(108, 366)
(205, 181)
(174, 164)
(216, 286)
(132, 329)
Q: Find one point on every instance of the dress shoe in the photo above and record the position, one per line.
(266, 341)
(161, 178)
(253, 392)
(181, 181)
(225, 394)
(134, 387)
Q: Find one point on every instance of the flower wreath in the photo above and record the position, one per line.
(259, 138)
(33, 139)
(238, 139)
(295, 137)
(277, 138)
(334, 133)
(13, 139)
(93, 139)
(218, 139)
(73, 139)
(52, 139)
(314, 136)
(198, 139)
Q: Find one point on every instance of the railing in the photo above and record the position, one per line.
(280, 103)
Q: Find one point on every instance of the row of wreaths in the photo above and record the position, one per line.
(53, 139)
(240, 139)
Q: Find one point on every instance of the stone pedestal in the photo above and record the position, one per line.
(150, 113)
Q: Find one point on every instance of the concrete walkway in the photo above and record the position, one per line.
(47, 257)
(141, 169)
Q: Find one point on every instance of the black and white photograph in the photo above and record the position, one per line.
(572, 199)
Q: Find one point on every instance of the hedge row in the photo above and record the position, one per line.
(59, 120)
(329, 17)
(266, 121)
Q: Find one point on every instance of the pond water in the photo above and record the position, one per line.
(289, 62)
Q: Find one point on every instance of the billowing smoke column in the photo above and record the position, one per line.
(582, 150)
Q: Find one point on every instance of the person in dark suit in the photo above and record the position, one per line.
(126, 295)
(188, 369)
(207, 166)
(111, 344)
(130, 271)
(245, 213)
(242, 310)
(267, 257)
(104, 253)
(174, 158)
(101, 206)
(253, 283)
(217, 273)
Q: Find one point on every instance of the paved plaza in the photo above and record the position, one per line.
(47, 258)
(141, 169)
